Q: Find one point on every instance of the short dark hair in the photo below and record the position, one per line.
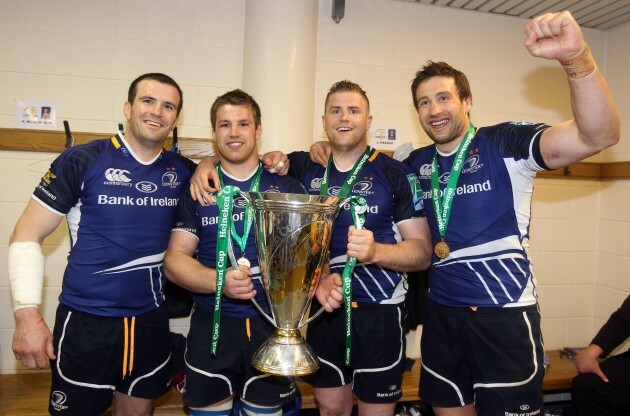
(441, 69)
(235, 97)
(155, 76)
(346, 86)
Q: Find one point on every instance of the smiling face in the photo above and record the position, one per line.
(236, 134)
(152, 115)
(443, 115)
(347, 121)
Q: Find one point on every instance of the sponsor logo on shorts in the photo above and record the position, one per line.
(525, 408)
(57, 400)
(394, 391)
(292, 387)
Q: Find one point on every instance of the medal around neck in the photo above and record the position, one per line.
(243, 262)
(442, 250)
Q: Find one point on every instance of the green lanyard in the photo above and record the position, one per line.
(249, 212)
(443, 205)
(225, 201)
(358, 207)
(352, 176)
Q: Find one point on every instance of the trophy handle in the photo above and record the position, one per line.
(319, 312)
(235, 267)
(359, 225)
(263, 312)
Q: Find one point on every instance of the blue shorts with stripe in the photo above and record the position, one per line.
(378, 354)
(492, 357)
(97, 356)
(210, 379)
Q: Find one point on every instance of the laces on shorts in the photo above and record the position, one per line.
(128, 353)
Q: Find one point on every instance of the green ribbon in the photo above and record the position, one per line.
(249, 212)
(443, 205)
(352, 176)
(358, 208)
(225, 202)
(358, 216)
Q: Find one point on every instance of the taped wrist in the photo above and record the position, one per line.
(26, 274)
(580, 66)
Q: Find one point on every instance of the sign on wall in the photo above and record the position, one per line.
(385, 137)
(35, 115)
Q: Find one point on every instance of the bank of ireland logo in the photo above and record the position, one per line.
(117, 175)
(334, 190)
(57, 400)
(240, 202)
(146, 187)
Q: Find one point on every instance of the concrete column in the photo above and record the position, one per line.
(279, 57)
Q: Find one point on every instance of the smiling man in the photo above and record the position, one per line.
(393, 240)
(362, 349)
(482, 350)
(111, 336)
(218, 363)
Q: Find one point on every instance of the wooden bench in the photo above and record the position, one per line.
(27, 393)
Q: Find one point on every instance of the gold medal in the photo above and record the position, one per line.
(243, 262)
(442, 250)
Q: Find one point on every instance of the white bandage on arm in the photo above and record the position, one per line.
(26, 274)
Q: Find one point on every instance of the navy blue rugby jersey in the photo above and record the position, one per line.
(488, 229)
(393, 195)
(203, 222)
(119, 212)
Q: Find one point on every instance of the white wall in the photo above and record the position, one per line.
(580, 235)
(83, 54)
(380, 44)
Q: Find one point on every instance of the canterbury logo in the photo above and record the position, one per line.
(425, 170)
(316, 183)
(117, 175)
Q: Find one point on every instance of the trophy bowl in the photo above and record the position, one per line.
(292, 236)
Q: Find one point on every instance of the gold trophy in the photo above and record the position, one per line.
(292, 236)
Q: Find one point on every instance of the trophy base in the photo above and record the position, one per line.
(285, 354)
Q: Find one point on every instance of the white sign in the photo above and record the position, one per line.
(35, 115)
(385, 138)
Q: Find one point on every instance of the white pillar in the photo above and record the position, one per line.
(279, 57)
